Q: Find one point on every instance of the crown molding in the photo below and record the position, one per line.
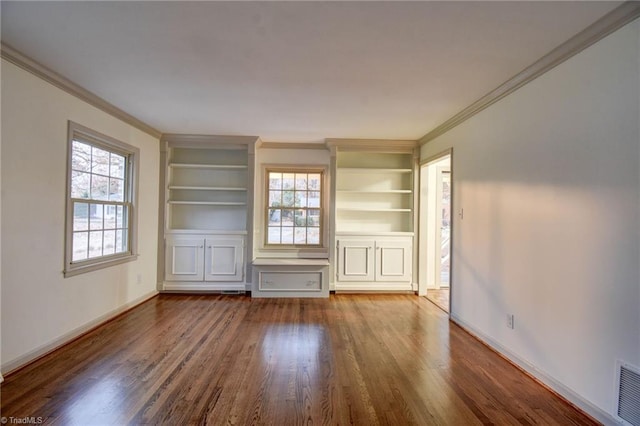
(292, 145)
(15, 57)
(207, 141)
(378, 145)
(595, 32)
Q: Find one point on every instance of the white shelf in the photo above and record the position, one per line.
(340, 233)
(375, 191)
(372, 170)
(207, 166)
(207, 188)
(207, 203)
(364, 209)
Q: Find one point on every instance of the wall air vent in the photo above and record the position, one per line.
(629, 394)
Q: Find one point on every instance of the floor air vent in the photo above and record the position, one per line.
(629, 394)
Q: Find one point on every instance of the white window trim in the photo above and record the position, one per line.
(324, 210)
(76, 130)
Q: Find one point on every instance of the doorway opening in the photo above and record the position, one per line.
(435, 231)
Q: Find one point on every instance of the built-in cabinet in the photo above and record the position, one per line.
(208, 216)
(383, 262)
(209, 259)
(373, 215)
(208, 193)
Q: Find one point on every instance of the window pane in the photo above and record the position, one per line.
(288, 198)
(288, 180)
(275, 180)
(314, 198)
(300, 199)
(80, 216)
(314, 181)
(301, 181)
(80, 156)
(109, 242)
(80, 183)
(287, 217)
(313, 217)
(275, 198)
(110, 216)
(96, 212)
(116, 189)
(117, 166)
(95, 244)
(287, 235)
(119, 218)
(274, 217)
(273, 236)
(80, 246)
(121, 242)
(301, 218)
(313, 235)
(99, 187)
(99, 161)
(300, 236)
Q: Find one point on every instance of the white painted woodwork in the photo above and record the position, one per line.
(290, 280)
(184, 259)
(374, 264)
(374, 191)
(206, 188)
(204, 258)
(393, 260)
(356, 260)
(224, 259)
(290, 277)
(208, 193)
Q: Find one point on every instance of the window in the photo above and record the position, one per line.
(100, 225)
(295, 208)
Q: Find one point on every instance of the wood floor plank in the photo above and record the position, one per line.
(221, 359)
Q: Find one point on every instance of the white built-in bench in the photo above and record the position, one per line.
(281, 277)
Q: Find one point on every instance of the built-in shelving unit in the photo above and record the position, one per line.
(207, 188)
(208, 193)
(374, 192)
(373, 215)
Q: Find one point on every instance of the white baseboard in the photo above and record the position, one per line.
(542, 376)
(30, 356)
(199, 286)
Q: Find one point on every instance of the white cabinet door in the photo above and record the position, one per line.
(355, 260)
(393, 260)
(183, 261)
(224, 259)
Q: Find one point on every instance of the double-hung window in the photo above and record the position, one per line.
(294, 209)
(101, 179)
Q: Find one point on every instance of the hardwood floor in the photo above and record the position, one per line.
(440, 297)
(215, 359)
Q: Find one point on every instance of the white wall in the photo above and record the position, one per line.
(39, 306)
(549, 179)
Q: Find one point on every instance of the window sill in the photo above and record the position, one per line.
(77, 269)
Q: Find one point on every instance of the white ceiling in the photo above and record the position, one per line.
(292, 71)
